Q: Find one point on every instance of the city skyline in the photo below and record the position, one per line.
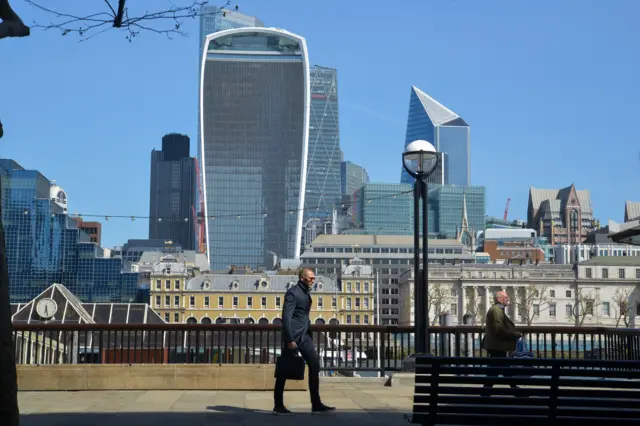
(505, 97)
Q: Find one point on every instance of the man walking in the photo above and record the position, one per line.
(296, 337)
(501, 335)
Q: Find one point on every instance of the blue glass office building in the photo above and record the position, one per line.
(254, 119)
(447, 131)
(387, 209)
(44, 246)
(323, 190)
(352, 177)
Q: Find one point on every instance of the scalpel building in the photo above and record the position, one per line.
(254, 115)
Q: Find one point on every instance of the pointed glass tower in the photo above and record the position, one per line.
(449, 133)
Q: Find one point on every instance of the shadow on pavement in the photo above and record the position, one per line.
(215, 415)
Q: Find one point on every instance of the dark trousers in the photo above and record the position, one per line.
(498, 354)
(308, 352)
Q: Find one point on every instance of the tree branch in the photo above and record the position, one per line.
(88, 26)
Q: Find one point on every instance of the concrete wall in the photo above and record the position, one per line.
(89, 377)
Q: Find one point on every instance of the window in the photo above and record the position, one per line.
(348, 286)
(454, 309)
(192, 301)
(637, 274)
(568, 310)
(235, 301)
(320, 305)
(249, 302)
(357, 303)
(220, 302)
(334, 303)
(357, 319)
(206, 301)
(176, 301)
(574, 220)
(536, 310)
(167, 301)
(277, 302)
(552, 293)
(366, 287)
(552, 310)
(176, 317)
(588, 273)
(158, 284)
(167, 285)
(365, 302)
(176, 285)
(621, 273)
(605, 273)
(348, 319)
(589, 307)
(348, 303)
(166, 317)
(158, 301)
(606, 309)
(366, 319)
(568, 293)
(357, 286)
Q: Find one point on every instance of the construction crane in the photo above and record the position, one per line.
(506, 209)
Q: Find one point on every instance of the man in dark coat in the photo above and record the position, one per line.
(296, 337)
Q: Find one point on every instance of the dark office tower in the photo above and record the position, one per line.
(173, 192)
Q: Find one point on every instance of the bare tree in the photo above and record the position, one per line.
(621, 301)
(167, 20)
(583, 307)
(531, 301)
(11, 25)
(440, 298)
(475, 308)
(8, 380)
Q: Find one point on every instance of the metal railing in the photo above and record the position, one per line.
(342, 349)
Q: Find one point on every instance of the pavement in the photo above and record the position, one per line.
(357, 402)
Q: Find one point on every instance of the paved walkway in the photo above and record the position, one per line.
(357, 404)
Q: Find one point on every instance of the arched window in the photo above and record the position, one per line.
(263, 321)
(277, 321)
(192, 320)
(573, 218)
(219, 320)
(320, 321)
(249, 321)
(205, 320)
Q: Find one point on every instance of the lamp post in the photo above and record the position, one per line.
(420, 160)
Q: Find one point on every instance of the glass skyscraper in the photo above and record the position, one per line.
(323, 169)
(447, 131)
(387, 209)
(255, 96)
(44, 245)
(172, 199)
(352, 177)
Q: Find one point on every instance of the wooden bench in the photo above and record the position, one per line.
(550, 392)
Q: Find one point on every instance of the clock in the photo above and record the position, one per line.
(46, 308)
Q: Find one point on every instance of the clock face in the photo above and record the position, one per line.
(46, 308)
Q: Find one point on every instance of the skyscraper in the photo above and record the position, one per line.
(172, 199)
(446, 130)
(45, 246)
(352, 177)
(254, 115)
(323, 169)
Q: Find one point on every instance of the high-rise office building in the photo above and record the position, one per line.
(45, 246)
(446, 130)
(352, 177)
(323, 168)
(172, 200)
(254, 118)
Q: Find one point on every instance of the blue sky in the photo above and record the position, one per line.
(550, 89)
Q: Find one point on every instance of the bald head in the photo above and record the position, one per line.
(501, 297)
(307, 276)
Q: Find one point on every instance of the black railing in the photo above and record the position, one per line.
(342, 349)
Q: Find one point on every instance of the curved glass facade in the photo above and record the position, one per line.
(254, 115)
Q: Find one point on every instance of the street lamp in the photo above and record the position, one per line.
(420, 160)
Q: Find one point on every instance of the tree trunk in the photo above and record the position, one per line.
(9, 412)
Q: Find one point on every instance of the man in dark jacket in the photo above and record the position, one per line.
(296, 337)
(501, 335)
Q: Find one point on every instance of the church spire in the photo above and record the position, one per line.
(465, 220)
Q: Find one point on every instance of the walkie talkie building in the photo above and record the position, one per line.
(254, 115)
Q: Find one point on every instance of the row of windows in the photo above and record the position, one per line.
(167, 284)
(605, 273)
(357, 302)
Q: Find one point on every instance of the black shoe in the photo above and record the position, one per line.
(281, 411)
(323, 409)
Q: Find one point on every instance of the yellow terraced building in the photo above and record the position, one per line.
(258, 297)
